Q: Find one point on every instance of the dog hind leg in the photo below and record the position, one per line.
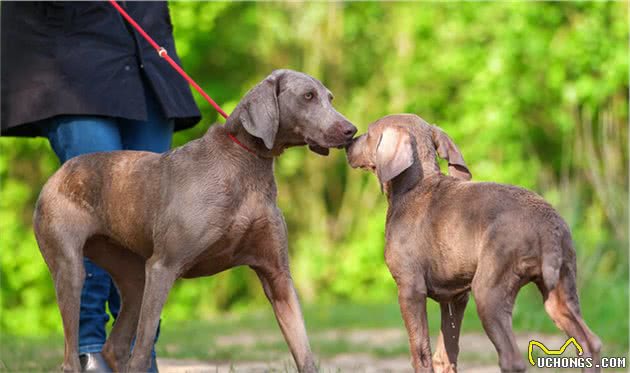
(562, 305)
(61, 237)
(127, 271)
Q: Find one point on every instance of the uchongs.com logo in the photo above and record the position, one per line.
(554, 359)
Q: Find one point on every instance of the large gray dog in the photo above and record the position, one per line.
(197, 210)
(446, 235)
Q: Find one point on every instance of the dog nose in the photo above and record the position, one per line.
(343, 131)
(349, 131)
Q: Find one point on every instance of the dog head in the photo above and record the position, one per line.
(289, 108)
(395, 143)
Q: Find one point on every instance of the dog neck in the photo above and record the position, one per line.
(248, 143)
(423, 168)
(216, 146)
(404, 182)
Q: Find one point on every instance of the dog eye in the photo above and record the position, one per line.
(308, 95)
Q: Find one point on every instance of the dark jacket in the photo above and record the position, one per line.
(82, 58)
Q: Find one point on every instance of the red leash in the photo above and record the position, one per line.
(164, 54)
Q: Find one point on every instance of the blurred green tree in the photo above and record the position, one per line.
(534, 94)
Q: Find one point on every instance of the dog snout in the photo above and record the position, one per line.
(346, 130)
(353, 151)
(351, 143)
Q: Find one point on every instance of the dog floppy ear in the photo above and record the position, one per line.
(446, 149)
(260, 115)
(394, 153)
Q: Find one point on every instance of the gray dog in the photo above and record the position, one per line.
(446, 236)
(197, 210)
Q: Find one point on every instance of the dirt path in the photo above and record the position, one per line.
(477, 354)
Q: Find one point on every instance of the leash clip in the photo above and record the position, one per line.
(162, 52)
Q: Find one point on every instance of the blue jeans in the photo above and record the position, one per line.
(73, 135)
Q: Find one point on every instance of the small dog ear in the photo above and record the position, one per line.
(446, 149)
(260, 115)
(394, 153)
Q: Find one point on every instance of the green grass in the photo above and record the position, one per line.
(197, 339)
(30, 354)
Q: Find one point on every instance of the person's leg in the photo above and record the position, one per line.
(155, 135)
(71, 136)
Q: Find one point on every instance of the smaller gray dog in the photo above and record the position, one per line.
(446, 236)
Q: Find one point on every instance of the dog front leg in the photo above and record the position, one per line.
(447, 348)
(158, 282)
(413, 307)
(279, 289)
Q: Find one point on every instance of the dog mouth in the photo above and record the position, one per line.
(323, 149)
(364, 167)
(357, 164)
(318, 149)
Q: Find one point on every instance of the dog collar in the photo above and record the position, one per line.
(234, 139)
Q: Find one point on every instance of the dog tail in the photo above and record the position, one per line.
(554, 253)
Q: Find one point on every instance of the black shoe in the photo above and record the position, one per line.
(153, 368)
(93, 362)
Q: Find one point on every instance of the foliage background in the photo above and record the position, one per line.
(534, 94)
